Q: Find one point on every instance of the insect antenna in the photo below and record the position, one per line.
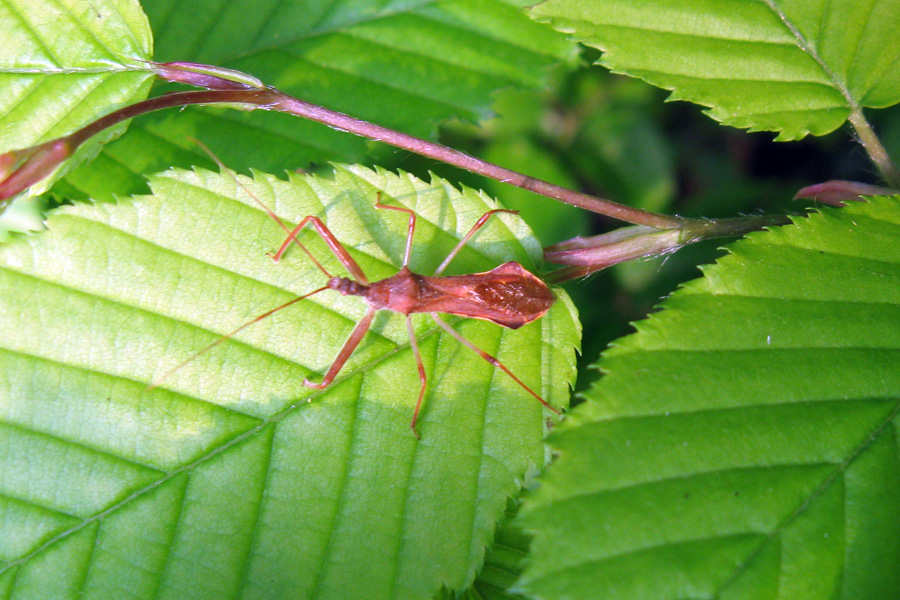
(292, 236)
(161, 379)
(261, 204)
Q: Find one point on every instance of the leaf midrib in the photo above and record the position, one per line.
(806, 47)
(816, 494)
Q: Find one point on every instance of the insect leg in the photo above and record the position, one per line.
(489, 358)
(410, 231)
(350, 345)
(478, 225)
(423, 379)
(336, 247)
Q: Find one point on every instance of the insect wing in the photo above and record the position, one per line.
(508, 295)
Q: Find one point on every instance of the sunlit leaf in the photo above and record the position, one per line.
(231, 478)
(65, 63)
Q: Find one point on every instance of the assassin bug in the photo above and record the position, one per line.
(507, 295)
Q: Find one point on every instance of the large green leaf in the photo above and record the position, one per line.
(742, 444)
(232, 478)
(65, 63)
(401, 64)
(790, 66)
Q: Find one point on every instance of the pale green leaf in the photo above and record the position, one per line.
(65, 63)
(231, 478)
(791, 66)
(407, 65)
(742, 444)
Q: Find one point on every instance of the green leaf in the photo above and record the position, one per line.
(502, 564)
(231, 478)
(65, 63)
(24, 215)
(404, 65)
(791, 66)
(742, 444)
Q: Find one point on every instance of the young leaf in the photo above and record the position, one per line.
(743, 443)
(64, 64)
(404, 65)
(231, 478)
(791, 67)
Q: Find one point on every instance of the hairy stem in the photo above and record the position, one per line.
(874, 148)
(580, 257)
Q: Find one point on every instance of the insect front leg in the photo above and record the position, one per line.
(410, 230)
(336, 247)
(350, 345)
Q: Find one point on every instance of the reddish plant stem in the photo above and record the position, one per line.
(40, 160)
(465, 161)
(272, 99)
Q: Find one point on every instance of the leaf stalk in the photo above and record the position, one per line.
(874, 148)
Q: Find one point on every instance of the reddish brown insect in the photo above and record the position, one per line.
(508, 295)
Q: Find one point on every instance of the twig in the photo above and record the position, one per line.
(268, 98)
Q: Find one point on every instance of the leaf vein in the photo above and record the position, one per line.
(677, 478)
(34, 503)
(342, 495)
(173, 532)
(265, 21)
(84, 28)
(81, 445)
(839, 470)
(806, 47)
(598, 561)
(257, 518)
(20, 14)
(85, 566)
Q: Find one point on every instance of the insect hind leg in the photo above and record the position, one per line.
(491, 359)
